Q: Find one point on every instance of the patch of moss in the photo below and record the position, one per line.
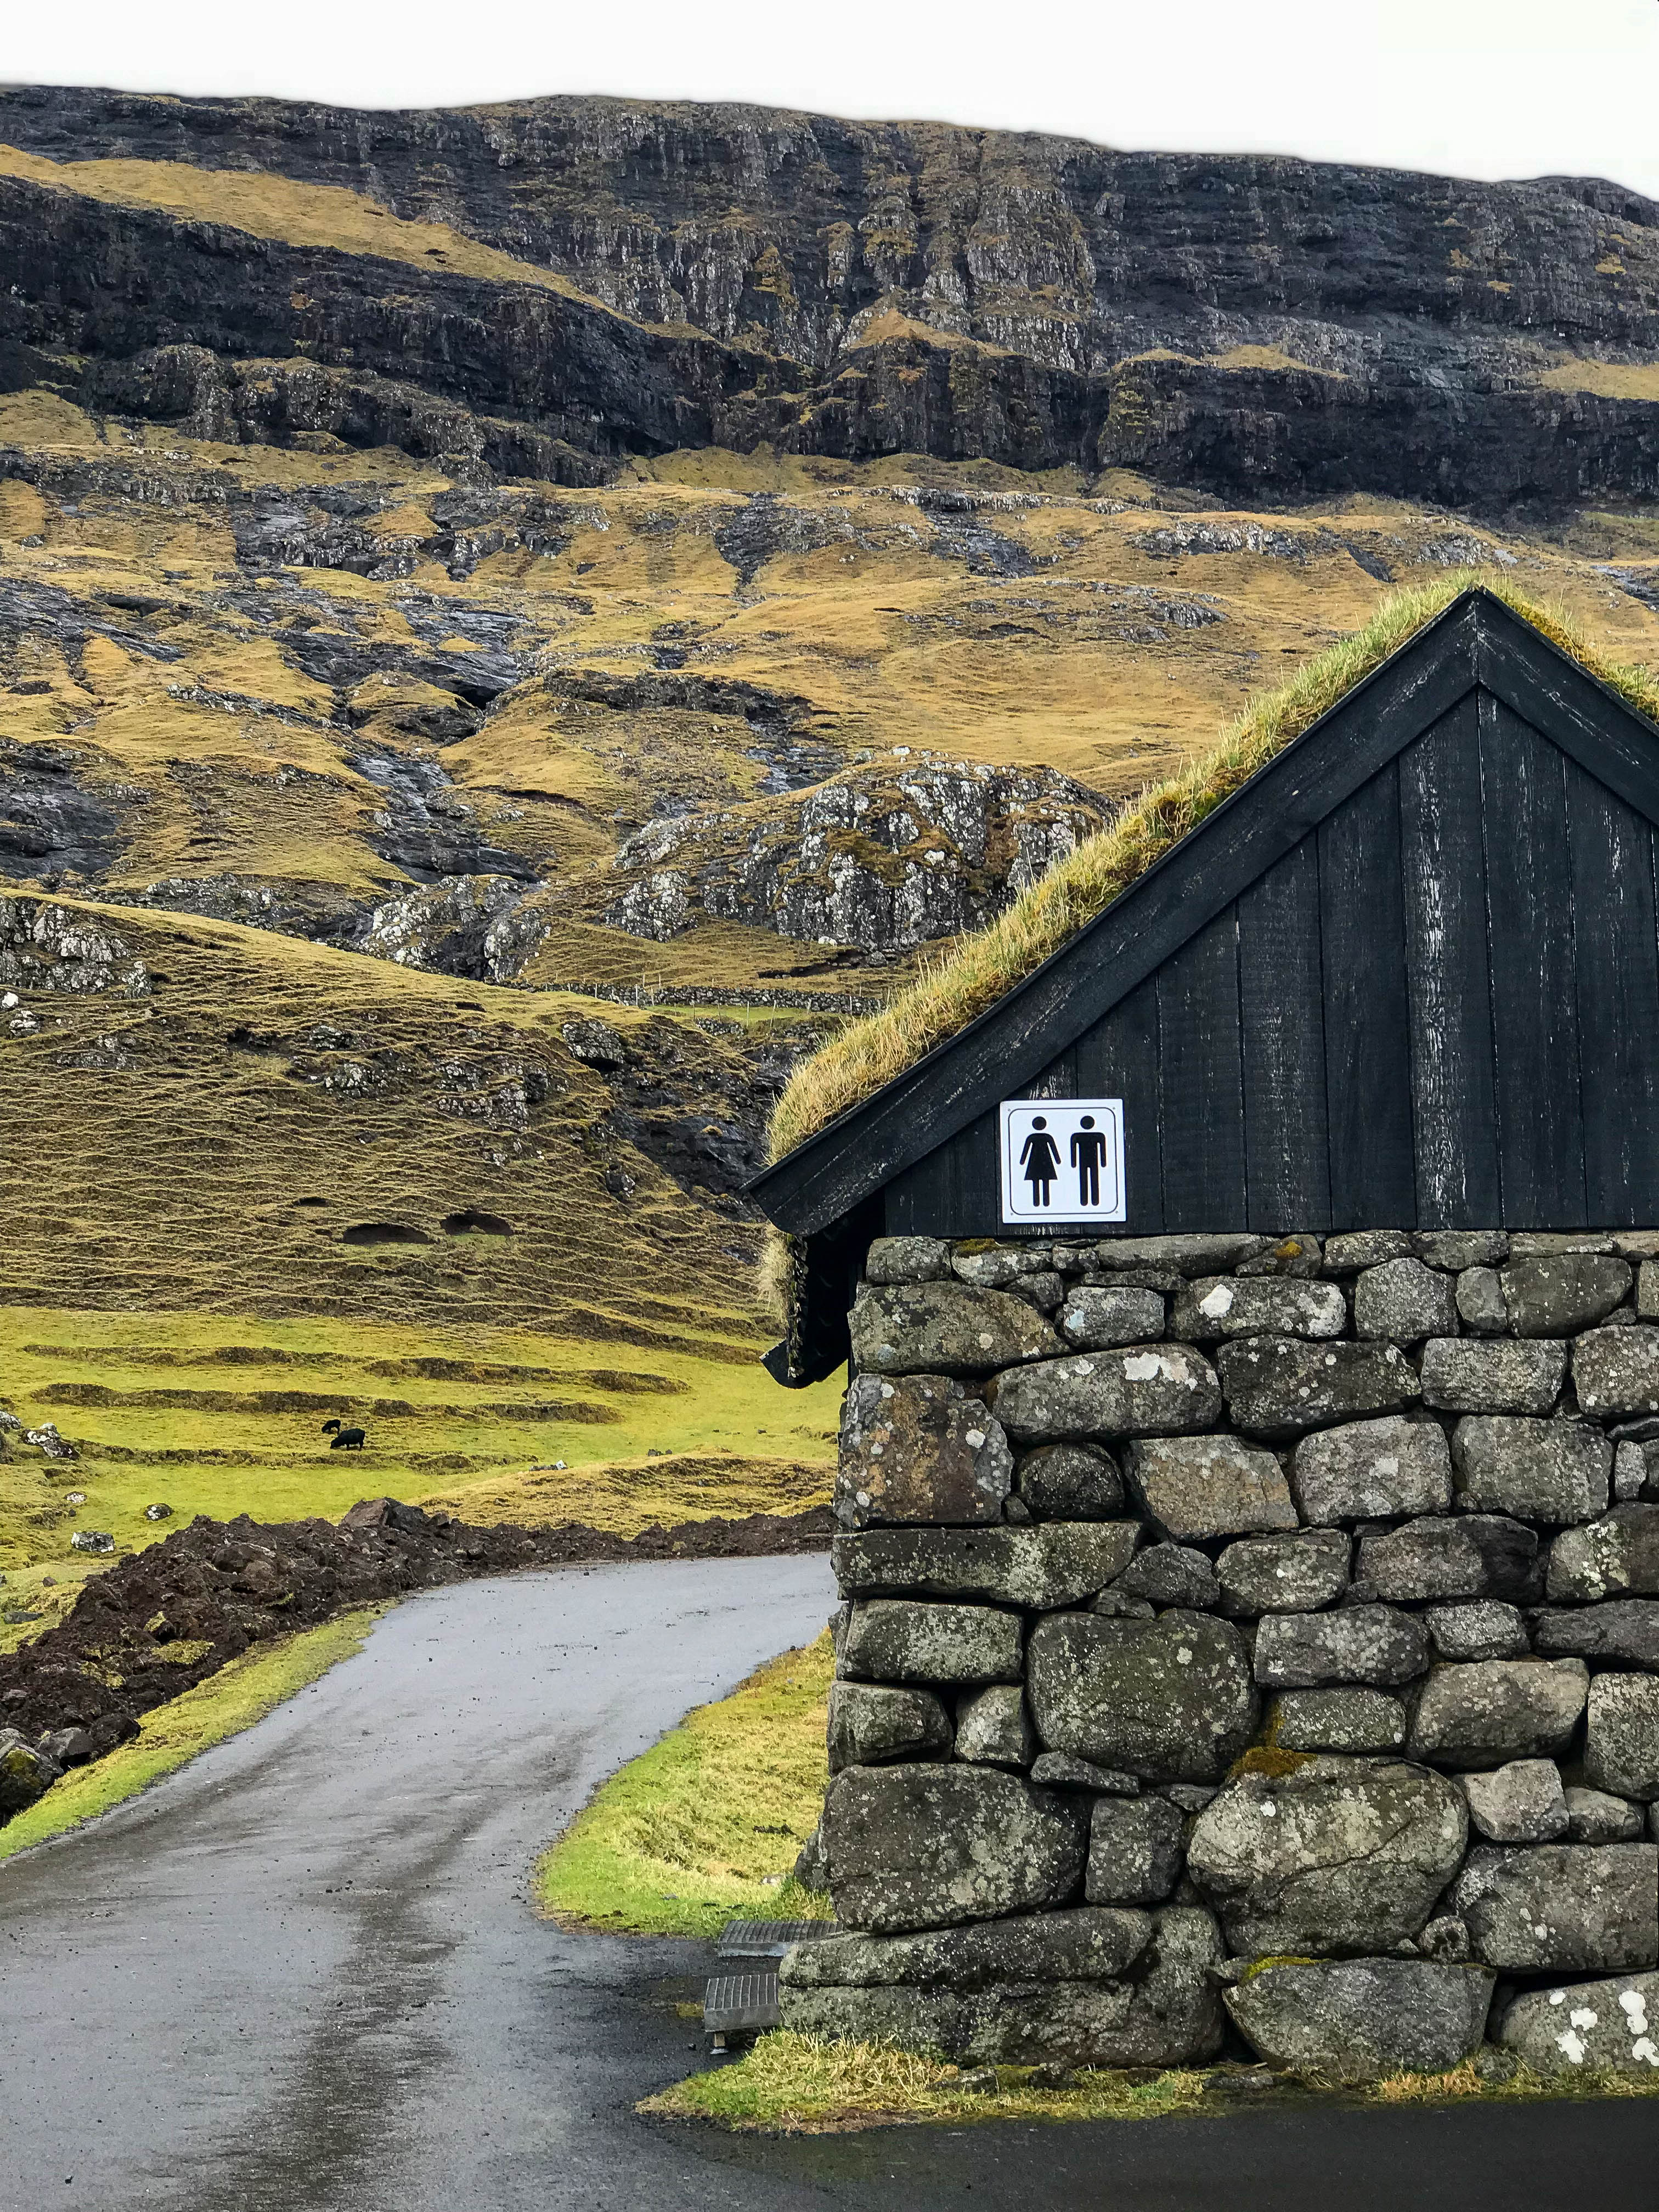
(1267, 1759)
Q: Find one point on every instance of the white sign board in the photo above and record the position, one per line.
(1062, 1159)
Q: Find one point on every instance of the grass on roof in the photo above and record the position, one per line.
(980, 970)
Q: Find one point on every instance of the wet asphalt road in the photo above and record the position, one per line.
(301, 1975)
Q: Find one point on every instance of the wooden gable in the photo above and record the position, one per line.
(1406, 976)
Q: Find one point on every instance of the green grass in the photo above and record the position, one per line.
(706, 1825)
(229, 1701)
(805, 2085)
(681, 1431)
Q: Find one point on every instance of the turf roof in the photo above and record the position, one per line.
(977, 971)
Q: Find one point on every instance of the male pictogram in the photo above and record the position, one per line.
(1088, 1149)
(1039, 1161)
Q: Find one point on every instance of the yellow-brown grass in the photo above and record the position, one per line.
(981, 968)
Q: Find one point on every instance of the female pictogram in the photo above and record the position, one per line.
(1039, 1162)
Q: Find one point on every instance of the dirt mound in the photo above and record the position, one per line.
(164, 1620)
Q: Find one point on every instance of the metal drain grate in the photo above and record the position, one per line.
(740, 2005)
(769, 1939)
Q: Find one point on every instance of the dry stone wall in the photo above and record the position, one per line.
(1253, 1636)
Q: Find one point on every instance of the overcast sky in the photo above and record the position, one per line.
(1476, 88)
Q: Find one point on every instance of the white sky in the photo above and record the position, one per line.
(1476, 88)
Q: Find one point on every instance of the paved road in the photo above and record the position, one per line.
(300, 1976)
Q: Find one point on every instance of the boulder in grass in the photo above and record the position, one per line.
(927, 1847)
(25, 1772)
(1605, 2027)
(1357, 2019)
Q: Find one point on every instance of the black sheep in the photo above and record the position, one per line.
(344, 1439)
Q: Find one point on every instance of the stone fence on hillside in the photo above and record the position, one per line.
(1250, 1631)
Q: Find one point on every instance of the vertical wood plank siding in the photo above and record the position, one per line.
(1443, 872)
(1439, 1009)
(1540, 1125)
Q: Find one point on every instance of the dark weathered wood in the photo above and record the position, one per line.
(1281, 1007)
(993, 1055)
(1591, 723)
(1540, 1127)
(1310, 784)
(1367, 1027)
(1445, 877)
(1201, 1078)
(1616, 965)
(1118, 1058)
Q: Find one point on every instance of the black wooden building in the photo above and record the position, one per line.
(1406, 976)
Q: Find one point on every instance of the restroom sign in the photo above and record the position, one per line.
(1062, 1159)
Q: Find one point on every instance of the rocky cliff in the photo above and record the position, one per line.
(735, 276)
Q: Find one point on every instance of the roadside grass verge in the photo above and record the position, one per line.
(228, 1701)
(806, 2085)
(705, 1825)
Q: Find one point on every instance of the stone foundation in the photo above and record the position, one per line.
(1246, 1627)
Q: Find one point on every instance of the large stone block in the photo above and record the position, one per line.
(1608, 2027)
(1070, 1482)
(1560, 1296)
(1356, 2019)
(1474, 1555)
(1196, 1255)
(1217, 1308)
(1170, 1574)
(1522, 1802)
(1366, 1248)
(1552, 1471)
(1563, 1908)
(1373, 1471)
(1483, 1628)
(919, 1449)
(1170, 1699)
(1620, 1633)
(1034, 1993)
(1052, 1564)
(1154, 1389)
(1339, 1854)
(1196, 1487)
(1404, 1299)
(1346, 1720)
(993, 1728)
(990, 1266)
(1277, 1385)
(1480, 1304)
(1296, 1573)
(1134, 1851)
(1096, 1316)
(927, 1847)
(1616, 1370)
(26, 1773)
(891, 1639)
(1621, 1736)
(869, 1723)
(1595, 1816)
(1356, 1644)
(1615, 1557)
(908, 1259)
(1491, 1374)
(1458, 1248)
(944, 1328)
(1492, 1711)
